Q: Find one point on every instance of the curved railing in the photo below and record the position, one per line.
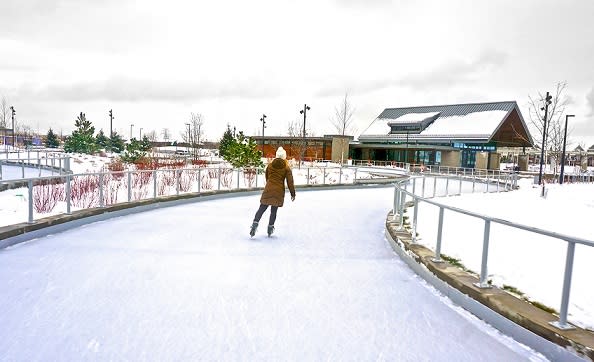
(401, 194)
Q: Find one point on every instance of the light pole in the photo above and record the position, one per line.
(12, 111)
(131, 125)
(263, 120)
(564, 142)
(140, 134)
(544, 136)
(304, 113)
(110, 124)
(187, 124)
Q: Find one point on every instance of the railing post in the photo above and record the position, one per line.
(447, 185)
(238, 178)
(473, 182)
(460, 186)
(355, 176)
(483, 284)
(219, 185)
(256, 175)
(562, 323)
(200, 179)
(437, 258)
(423, 187)
(396, 196)
(177, 179)
(23, 168)
(129, 185)
(68, 195)
(414, 226)
(30, 187)
(434, 184)
(307, 180)
(498, 179)
(101, 201)
(324, 171)
(414, 180)
(401, 203)
(340, 175)
(487, 180)
(155, 184)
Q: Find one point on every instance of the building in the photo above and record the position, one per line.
(328, 147)
(457, 135)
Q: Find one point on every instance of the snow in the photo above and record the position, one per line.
(476, 123)
(532, 263)
(187, 283)
(16, 172)
(413, 117)
(378, 127)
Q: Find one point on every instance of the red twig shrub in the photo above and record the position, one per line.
(226, 177)
(84, 191)
(206, 181)
(249, 176)
(46, 195)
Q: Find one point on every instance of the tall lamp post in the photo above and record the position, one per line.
(140, 134)
(304, 113)
(187, 124)
(12, 111)
(131, 125)
(263, 120)
(544, 136)
(564, 142)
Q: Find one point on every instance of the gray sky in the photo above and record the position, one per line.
(155, 62)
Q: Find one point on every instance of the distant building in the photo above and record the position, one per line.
(329, 147)
(457, 135)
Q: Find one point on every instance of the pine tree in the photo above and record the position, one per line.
(243, 152)
(135, 150)
(101, 140)
(82, 139)
(226, 141)
(116, 143)
(51, 140)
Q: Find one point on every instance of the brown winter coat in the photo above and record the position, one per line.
(276, 173)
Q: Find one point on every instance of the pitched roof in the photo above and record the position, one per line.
(473, 122)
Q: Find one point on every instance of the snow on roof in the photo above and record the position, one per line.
(378, 127)
(477, 123)
(413, 117)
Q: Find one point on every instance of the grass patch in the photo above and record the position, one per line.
(513, 290)
(542, 306)
(455, 262)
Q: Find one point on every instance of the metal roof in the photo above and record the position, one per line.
(449, 110)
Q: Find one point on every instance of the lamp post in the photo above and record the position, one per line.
(304, 113)
(131, 125)
(187, 124)
(140, 134)
(110, 124)
(12, 111)
(564, 142)
(263, 120)
(544, 136)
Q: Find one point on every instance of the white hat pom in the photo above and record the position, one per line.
(281, 153)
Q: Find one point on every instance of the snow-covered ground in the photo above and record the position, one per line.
(16, 172)
(187, 283)
(532, 263)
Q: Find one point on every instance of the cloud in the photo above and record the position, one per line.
(445, 75)
(590, 102)
(139, 90)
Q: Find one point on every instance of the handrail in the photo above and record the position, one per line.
(400, 195)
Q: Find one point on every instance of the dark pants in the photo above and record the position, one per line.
(261, 210)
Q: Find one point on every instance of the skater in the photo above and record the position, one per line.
(274, 192)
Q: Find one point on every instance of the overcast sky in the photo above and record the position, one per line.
(154, 62)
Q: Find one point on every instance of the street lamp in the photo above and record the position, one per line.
(187, 124)
(564, 142)
(131, 125)
(110, 124)
(263, 126)
(12, 111)
(304, 113)
(140, 134)
(544, 136)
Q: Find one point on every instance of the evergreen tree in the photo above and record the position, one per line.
(226, 141)
(135, 150)
(101, 140)
(116, 143)
(243, 152)
(146, 144)
(51, 140)
(82, 139)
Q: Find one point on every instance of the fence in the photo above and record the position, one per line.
(400, 199)
(59, 165)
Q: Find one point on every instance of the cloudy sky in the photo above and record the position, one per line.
(154, 62)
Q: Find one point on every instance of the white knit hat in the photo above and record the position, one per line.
(281, 153)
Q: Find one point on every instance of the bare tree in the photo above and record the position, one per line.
(5, 113)
(151, 135)
(298, 144)
(343, 116)
(555, 125)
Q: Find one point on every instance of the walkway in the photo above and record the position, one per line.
(187, 283)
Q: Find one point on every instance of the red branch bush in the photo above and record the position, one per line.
(46, 195)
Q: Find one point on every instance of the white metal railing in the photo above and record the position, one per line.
(400, 198)
(58, 164)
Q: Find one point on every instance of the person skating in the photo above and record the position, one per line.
(277, 172)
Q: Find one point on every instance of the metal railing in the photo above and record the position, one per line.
(400, 198)
(58, 164)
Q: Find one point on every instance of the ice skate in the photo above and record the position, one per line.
(270, 229)
(253, 228)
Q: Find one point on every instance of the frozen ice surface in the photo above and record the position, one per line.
(188, 283)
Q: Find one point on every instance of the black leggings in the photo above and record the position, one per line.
(261, 210)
